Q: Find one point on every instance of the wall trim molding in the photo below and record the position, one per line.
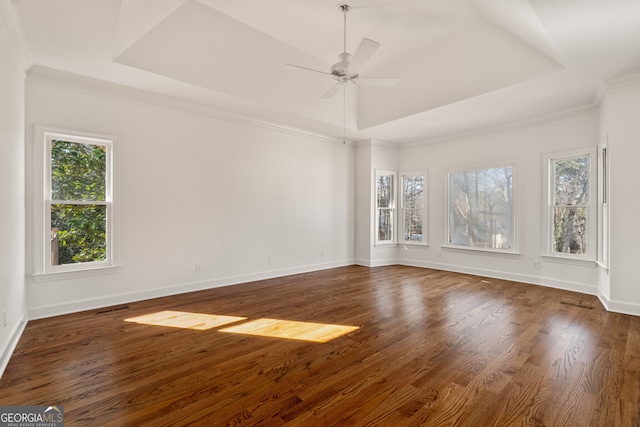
(377, 262)
(521, 124)
(95, 303)
(12, 342)
(130, 297)
(623, 81)
(10, 16)
(613, 306)
(70, 81)
(363, 262)
(619, 306)
(502, 275)
(376, 143)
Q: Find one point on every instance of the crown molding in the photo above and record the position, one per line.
(622, 81)
(521, 124)
(376, 143)
(384, 144)
(70, 81)
(19, 41)
(600, 95)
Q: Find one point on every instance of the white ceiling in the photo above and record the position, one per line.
(463, 64)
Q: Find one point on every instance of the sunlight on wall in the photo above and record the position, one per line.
(272, 328)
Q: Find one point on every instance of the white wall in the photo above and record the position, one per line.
(622, 126)
(604, 280)
(12, 196)
(526, 145)
(196, 189)
(363, 203)
(248, 202)
(371, 155)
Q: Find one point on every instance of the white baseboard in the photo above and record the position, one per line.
(610, 305)
(95, 303)
(106, 301)
(376, 262)
(619, 306)
(383, 262)
(10, 346)
(523, 278)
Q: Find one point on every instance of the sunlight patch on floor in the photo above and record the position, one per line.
(288, 329)
(185, 320)
(272, 328)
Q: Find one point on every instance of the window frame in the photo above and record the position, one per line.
(603, 206)
(515, 182)
(43, 270)
(403, 209)
(591, 205)
(392, 208)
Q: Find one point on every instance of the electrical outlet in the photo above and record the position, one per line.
(322, 254)
(270, 258)
(438, 254)
(198, 268)
(4, 318)
(536, 264)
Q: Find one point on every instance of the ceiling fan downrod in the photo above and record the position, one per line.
(344, 58)
(339, 70)
(345, 10)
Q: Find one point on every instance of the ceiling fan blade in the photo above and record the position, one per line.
(378, 81)
(332, 91)
(298, 67)
(366, 49)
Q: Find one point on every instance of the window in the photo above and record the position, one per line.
(570, 215)
(385, 207)
(75, 217)
(413, 209)
(481, 209)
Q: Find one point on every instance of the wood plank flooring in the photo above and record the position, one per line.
(432, 348)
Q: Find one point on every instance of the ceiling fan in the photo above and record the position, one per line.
(346, 71)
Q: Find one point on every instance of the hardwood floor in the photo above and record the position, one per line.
(432, 348)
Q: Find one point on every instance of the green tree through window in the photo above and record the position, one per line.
(78, 202)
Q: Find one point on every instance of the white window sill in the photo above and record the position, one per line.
(415, 244)
(568, 260)
(385, 245)
(75, 274)
(602, 265)
(393, 245)
(483, 251)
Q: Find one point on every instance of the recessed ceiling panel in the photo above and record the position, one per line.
(463, 64)
(479, 60)
(139, 16)
(599, 38)
(203, 47)
(317, 27)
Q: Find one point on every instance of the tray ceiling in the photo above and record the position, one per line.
(463, 64)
